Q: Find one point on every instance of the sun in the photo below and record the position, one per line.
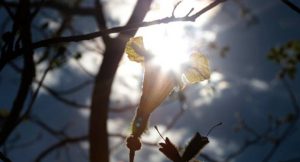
(169, 43)
(169, 50)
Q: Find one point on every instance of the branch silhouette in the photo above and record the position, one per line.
(291, 6)
(128, 27)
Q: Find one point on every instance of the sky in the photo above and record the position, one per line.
(243, 83)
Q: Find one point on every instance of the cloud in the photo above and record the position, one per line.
(211, 90)
(175, 135)
(219, 148)
(259, 85)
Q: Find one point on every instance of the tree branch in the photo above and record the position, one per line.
(291, 6)
(74, 10)
(4, 158)
(98, 136)
(22, 17)
(59, 144)
(127, 28)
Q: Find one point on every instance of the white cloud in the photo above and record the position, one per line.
(216, 77)
(124, 9)
(209, 35)
(259, 85)
(118, 125)
(90, 60)
(222, 85)
(175, 135)
(211, 90)
(206, 97)
(218, 148)
(154, 157)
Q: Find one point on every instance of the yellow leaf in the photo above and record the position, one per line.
(198, 69)
(130, 49)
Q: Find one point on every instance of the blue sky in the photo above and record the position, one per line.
(245, 83)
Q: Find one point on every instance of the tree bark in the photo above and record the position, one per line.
(98, 135)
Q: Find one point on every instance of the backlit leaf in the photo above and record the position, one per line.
(130, 49)
(198, 69)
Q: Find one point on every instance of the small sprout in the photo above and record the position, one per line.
(288, 56)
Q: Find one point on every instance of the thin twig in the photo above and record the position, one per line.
(36, 92)
(47, 42)
(289, 130)
(4, 158)
(175, 7)
(8, 9)
(71, 140)
(128, 27)
(291, 6)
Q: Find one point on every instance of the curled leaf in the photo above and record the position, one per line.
(169, 149)
(198, 69)
(130, 49)
(194, 147)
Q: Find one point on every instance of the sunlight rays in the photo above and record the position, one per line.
(169, 48)
(170, 43)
